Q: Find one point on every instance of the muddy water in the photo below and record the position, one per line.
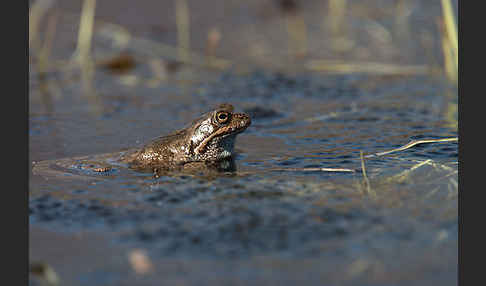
(267, 223)
(280, 224)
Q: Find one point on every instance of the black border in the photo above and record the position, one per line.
(15, 95)
(22, 52)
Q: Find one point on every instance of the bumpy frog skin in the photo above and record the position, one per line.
(209, 138)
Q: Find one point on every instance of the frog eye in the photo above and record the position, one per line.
(222, 117)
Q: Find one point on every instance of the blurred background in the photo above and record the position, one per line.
(389, 37)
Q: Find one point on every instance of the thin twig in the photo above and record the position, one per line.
(298, 170)
(314, 169)
(411, 144)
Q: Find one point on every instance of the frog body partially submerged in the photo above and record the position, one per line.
(211, 137)
(207, 143)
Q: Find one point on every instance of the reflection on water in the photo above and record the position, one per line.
(251, 207)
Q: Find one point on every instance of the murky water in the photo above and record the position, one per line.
(267, 222)
(298, 122)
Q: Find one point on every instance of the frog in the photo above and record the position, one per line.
(209, 138)
(207, 143)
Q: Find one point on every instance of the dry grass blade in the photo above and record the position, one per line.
(448, 33)
(37, 11)
(338, 170)
(411, 144)
(314, 169)
(403, 175)
(297, 34)
(366, 181)
(337, 24)
(450, 25)
(366, 67)
(449, 66)
(82, 54)
(336, 15)
(213, 41)
(45, 51)
(183, 35)
(85, 33)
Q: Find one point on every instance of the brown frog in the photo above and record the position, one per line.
(207, 143)
(210, 138)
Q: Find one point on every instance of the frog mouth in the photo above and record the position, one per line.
(226, 131)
